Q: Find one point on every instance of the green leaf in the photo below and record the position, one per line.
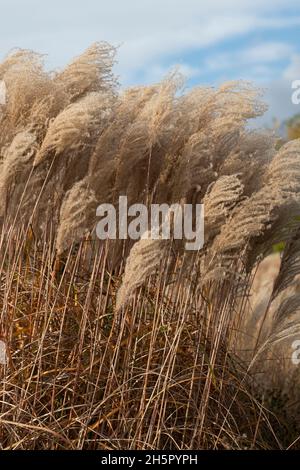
(278, 247)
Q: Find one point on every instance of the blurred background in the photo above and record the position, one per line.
(210, 41)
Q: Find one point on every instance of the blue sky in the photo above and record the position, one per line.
(211, 41)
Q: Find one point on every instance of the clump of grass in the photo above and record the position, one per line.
(116, 346)
(80, 374)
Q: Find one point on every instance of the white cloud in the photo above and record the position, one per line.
(150, 31)
(268, 52)
(279, 91)
(153, 33)
(292, 72)
(259, 55)
(139, 53)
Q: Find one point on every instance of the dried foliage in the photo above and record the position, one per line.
(81, 376)
(121, 346)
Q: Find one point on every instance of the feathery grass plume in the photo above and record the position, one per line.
(254, 220)
(101, 173)
(284, 169)
(254, 151)
(19, 57)
(222, 117)
(219, 201)
(105, 160)
(70, 141)
(89, 72)
(45, 110)
(72, 135)
(185, 121)
(74, 213)
(285, 323)
(72, 128)
(32, 96)
(102, 166)
(140, 148)
(15, 169)
(284, 300)
(26, 82)
(250, 220)
(247, 224)
(283, 179)
(144, 257)
(290, 265)
(287, 309)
